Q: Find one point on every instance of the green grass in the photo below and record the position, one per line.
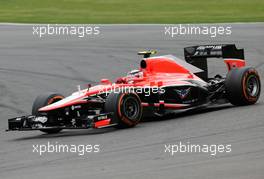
(131, 11)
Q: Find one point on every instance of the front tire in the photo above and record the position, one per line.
(243, 86)
(126, 109)
(44, 100)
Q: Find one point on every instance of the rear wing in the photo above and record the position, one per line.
(214, 51)
(197, 55)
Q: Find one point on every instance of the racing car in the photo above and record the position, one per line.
(160, 84)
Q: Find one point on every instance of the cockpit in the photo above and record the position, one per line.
(131, 77)
(135, 74)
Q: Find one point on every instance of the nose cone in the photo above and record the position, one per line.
(75, 98)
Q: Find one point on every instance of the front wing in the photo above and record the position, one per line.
(31, 122)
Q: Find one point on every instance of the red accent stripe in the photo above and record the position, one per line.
(161, 102)
(144, 104)
(167, 105)
(176, 106)
(102, 123)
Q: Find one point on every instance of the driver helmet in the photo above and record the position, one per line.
(134, 74)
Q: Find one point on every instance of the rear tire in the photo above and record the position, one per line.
(44, 100)
(243, 86)
(126, 109)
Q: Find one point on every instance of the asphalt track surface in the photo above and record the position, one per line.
(30, 66)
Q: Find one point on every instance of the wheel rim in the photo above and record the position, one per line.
(252, 86)
(130, 108)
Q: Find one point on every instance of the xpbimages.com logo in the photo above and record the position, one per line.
(65, 148)
(65, 30)
(188, 29)
(146, 91)
(212, 149)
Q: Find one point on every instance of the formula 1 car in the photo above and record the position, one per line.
(161, 84)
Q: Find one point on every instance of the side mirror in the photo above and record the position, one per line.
(106, 81)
